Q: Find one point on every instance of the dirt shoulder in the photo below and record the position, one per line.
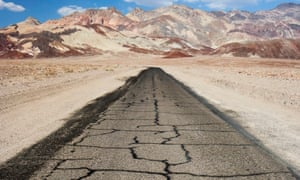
(36, 108)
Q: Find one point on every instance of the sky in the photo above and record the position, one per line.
(13, 11)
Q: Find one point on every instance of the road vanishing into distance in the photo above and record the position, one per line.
(157, 130)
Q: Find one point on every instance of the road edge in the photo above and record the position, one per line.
(29, 160)
(232, 122)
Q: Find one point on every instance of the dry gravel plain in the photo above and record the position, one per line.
(261, 95)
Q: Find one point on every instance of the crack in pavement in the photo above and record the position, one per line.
(91, 171)
(177, 134)
(165, 162)
(98, 147)
(187, 156)
(231, 176)
(55, 167)
(156, 112)
(127, 130)
(187, 144)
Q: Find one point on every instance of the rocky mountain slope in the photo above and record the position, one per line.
(278, 48)
(169, 30)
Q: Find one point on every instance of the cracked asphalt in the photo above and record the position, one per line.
(157, 130)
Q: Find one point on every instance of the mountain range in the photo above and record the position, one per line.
(173, 31)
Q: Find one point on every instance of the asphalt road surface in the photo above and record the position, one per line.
(158, 130)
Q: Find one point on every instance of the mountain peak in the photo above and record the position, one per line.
(31, 21)
(114, 10)
(177, 7)
(287, 6)
(97, 11)
(136, 14)
(136, 11)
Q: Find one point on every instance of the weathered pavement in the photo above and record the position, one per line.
(160, 131)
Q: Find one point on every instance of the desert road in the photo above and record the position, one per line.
(156, 130)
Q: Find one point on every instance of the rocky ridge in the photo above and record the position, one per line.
(175, 30)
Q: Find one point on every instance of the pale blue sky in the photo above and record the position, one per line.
(13, 11)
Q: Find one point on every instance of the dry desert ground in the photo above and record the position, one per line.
(261, 95)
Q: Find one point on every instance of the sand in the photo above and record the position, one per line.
(261, 95)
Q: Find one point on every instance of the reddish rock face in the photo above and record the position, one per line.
(4, 43)
(14, 55)
(110, 18)
(289, 49)
(8, 49)
(176, 54)
(143, 50)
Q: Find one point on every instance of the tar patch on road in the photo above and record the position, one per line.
(152, 128)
